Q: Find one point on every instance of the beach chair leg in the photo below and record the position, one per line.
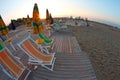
(29, 71)
(53, 63)
(12, 46)
(48, 66)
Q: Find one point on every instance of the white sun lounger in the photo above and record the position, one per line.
(12, 66)
(36, 57)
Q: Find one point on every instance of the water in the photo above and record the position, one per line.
(107, 22)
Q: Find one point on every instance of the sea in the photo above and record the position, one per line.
(107, 22)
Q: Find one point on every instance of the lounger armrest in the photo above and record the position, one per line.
(47, 46)
(17, 58)
(34, 61)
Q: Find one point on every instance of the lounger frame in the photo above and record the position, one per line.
(33, 61)
(18, 60)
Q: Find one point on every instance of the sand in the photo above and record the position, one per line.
(102, 44)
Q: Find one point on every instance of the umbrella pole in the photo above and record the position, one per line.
(49, 33)
(15, 33)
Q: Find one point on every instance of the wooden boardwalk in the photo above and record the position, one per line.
(71, 63)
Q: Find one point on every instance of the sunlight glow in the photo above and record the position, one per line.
(101, 9)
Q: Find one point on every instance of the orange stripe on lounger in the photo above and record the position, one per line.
(34, 52)
(7, 62)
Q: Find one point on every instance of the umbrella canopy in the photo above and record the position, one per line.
(47, 17)
(38, 27)
(36, 17)
(28, 18)
(37, 24)
(13, 27)
(3, 28)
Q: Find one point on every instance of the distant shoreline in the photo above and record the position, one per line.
(112, 24)
(107, 25)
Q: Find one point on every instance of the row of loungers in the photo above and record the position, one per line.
(12, 66)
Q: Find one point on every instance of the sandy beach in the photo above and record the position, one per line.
(102, 44)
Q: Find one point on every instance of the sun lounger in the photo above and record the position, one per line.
(56, 27)
(12, 67)
(36, 57)
(44, 47)
(59, 27)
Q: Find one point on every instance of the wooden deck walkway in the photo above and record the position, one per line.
(71, 63)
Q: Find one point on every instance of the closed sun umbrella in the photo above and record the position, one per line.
(3, 29)
(38, 27)
(37, 24)
(47, 17)
(51, 19)
(3, 32)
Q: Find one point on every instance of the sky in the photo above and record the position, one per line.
(100, 10)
